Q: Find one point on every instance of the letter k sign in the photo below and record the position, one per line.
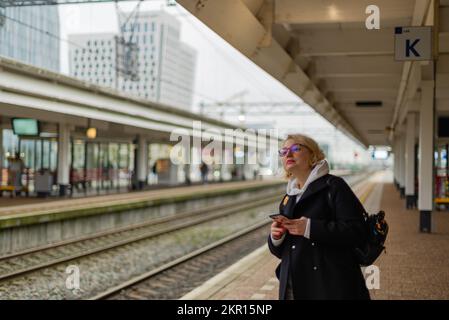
(410, 48)
(413, 43)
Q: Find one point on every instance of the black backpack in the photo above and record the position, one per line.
(376, 228)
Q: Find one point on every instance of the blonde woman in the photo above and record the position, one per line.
(314, 241)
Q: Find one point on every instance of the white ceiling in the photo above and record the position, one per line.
(333, 59)
(350, 62)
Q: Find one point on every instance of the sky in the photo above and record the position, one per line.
(215, 56)
(222, 71)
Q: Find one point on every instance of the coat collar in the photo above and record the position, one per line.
(315, 186)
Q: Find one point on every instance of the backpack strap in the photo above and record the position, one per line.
(330, 200)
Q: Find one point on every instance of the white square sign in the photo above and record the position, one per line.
(413, 43)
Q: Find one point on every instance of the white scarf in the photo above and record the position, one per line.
(319, 170)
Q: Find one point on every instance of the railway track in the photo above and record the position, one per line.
(159, 280)
(176, 278)
(19, 264)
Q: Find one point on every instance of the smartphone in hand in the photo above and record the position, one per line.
(278, 217)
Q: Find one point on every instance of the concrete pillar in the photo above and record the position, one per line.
(396, 162)
(223, 171)
(426, 152)
(410, 197)
(397, 158)
(63, 158)
(2, 155)
(401, 172)
(142, 162)
(228, 160)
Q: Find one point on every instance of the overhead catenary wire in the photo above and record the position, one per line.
(182, 14)
(230, 60)
(52, 35)
(30, 3)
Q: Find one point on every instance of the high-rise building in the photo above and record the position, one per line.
(93, 58)
(165, 66)
(31, 35)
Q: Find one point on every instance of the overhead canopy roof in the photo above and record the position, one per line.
(29, 91)
(322, 51)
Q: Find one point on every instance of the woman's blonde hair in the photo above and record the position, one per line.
(316, 154)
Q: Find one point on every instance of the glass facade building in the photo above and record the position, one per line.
(31, 35)
(165, 65)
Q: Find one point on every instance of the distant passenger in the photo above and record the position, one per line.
(204, 169)
(314, 242)
(15, 170)
(187, 174)
(234, 173)
(154, 171)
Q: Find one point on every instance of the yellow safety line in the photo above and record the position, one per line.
(365, 195)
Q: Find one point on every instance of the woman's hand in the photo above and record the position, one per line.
(277, 230)
(296, 227)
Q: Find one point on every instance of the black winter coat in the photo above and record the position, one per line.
(323, 267)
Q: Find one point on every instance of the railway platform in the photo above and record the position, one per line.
(43, 208)
(414, 266)
(39, 224)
